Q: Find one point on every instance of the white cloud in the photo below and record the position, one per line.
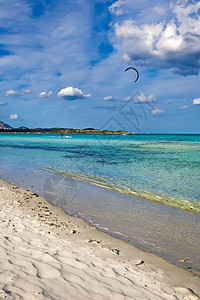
(184, 107)
(2, 103)
(173, 43)
(25, 91)
(157, 112)
(13, 116)
(115, 7)
(196, 101)
(71, 93)
(151, 98)
(142, 98)
(159, 10)
(45, 94)
(108, 98)
(21, 92)
(11, 93)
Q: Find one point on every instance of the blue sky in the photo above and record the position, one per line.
(62, 64)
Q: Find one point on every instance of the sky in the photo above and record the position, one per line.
(62, 64)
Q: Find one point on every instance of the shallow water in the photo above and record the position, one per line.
(162, 168)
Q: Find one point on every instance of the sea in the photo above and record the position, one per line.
(142, 188)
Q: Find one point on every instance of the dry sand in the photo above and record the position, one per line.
(47, 254)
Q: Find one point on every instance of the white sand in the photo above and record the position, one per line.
(46, 254)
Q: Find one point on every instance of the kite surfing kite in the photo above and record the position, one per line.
(157, 106)
(135, 71)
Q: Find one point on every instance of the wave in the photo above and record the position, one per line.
(178, 202)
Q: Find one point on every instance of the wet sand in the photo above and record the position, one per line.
(47, 254)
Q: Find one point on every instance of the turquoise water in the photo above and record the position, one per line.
(163, 168)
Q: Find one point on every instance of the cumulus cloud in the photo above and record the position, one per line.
(2, 103)
(10, 93)
(13, 116)
(173, 43)
(71, 93)
(45, 94)
(108, 98)
(25, 91)
(21, 92)
(184, 107)
(157, 112)
(142, 98)
(196, 101)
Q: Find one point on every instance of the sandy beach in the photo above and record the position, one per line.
(47, 254)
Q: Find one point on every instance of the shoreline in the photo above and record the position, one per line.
(167, 232)
(189, 205)
(30, 222)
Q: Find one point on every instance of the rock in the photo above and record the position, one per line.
(139, 262)
(116, 251)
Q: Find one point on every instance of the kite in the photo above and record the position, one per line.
(135, 71)
(157, 106)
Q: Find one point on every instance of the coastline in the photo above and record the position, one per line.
(165, 231)
(180, 203)
(41, 243)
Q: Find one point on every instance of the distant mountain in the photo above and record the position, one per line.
(5, 126)
(23, 128)
(47, 129)
(89, 128)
